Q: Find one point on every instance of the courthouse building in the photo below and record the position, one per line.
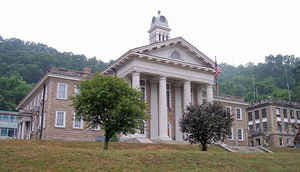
(170, 72)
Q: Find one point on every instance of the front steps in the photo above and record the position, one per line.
(243, 148)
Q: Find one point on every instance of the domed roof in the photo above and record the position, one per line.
(159, 20)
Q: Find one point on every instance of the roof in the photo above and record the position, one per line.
(9, 112)
(141, 51)
(56, 73)
(274, 102)
(230, 99)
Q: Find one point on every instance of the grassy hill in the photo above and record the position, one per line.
(17, 155)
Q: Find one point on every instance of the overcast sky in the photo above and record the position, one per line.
(236, 31)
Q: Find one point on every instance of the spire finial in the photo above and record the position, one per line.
(158, 12)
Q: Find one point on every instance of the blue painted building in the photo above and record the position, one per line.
(8, 124)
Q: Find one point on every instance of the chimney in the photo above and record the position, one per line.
(87, 70)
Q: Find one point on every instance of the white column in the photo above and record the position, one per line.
(23, 130)
(178, 113)
(135, 80)
(163, 110)
(154, 110)
(199, 96)
(210, 93)
(187, 93)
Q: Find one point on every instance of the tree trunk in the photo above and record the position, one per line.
(106, 142)
(204, 147)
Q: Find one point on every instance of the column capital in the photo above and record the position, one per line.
(135, 73)
(162, 78)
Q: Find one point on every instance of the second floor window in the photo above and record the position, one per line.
(285, 113)
(239, 114)
(263, 113)
(62, 91)
(298, 114)
(228, 110)
(250, 116)
(256, 114)
(292, 114)
(278, 112)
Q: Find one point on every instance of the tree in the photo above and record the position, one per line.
(108, 102)
(205, 123)
(12, 90)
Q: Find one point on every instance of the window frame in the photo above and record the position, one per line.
(250, 114)
(257, 115)
(264, 113)
(230, 109)
(241, 114)
(64, 118)
(66, 91)
(242, 134)
(144, 88)
(231, 137)
(74, 122)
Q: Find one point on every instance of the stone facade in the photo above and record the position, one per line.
(273, 123)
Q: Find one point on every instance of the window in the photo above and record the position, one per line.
(284, 111)
(292, 114)
(143, 89)
(279, 127)
(12, 119)
(280, 141)
(251, 129)
(265, 126)
(3, 131)
(230, 134)
(77, 123)
(240, 134)
(278, 112)
(11, 132)
(62, 91)
(298, 114)
(239, 115)
(286, 126)
(257, 127)
(263, 113)
(169, 96)
(256, 114)
(250, 116)
(60, 119)
(228, 110)
(76, 90)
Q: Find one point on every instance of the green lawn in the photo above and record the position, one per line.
(55, 156)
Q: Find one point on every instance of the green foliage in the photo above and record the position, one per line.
(205, 123)
(32, 60)
(272, 79)
(12, 90)
(109, 102)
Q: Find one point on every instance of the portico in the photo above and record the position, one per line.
(171, 73)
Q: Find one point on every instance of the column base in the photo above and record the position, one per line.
(164, 138)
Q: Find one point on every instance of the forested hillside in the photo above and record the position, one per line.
(275, 78)
(23, 63)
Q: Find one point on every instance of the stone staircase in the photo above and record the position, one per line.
(243, 148)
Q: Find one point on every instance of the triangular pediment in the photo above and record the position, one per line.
(177, 49)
